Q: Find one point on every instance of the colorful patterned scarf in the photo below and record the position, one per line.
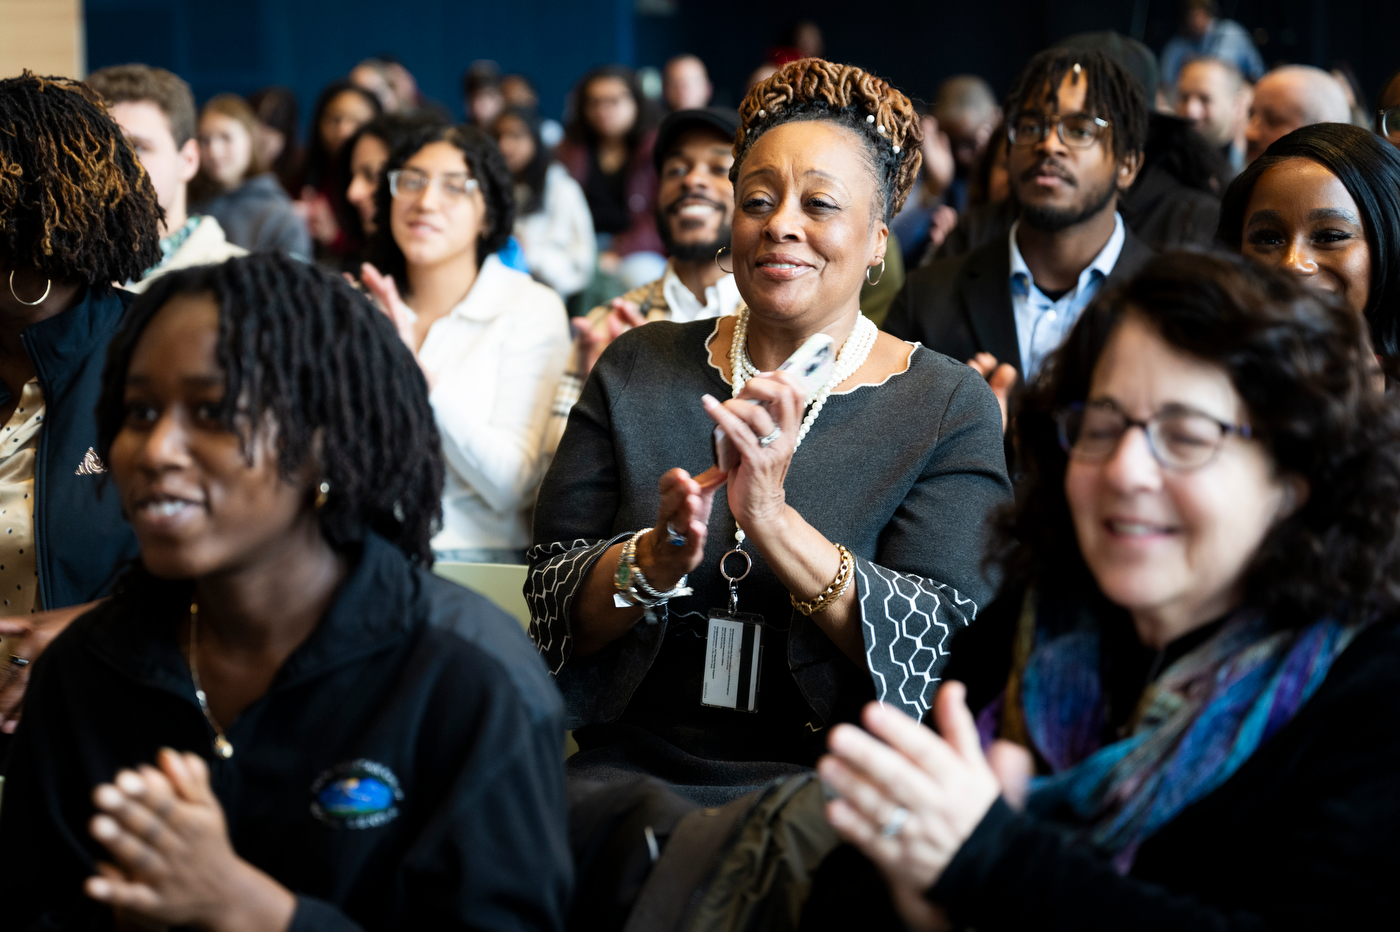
(1196, 724)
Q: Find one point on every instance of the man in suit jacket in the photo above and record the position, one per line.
(1077, 122)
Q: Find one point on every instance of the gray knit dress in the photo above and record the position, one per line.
(905, 474)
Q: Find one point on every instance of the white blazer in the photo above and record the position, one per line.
(495, 359)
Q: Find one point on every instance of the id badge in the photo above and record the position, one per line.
(733, 656)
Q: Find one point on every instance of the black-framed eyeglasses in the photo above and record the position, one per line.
(1179, 438)
(1076, 130)
(1388, 123)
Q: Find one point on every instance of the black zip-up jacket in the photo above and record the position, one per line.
(404, 771)
(1305, 835)
(80, 535)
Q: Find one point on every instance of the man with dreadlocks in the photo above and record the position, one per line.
(1076, 124)
(77, 213)
(283, 718)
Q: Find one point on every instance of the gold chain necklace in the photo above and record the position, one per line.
(222, 746)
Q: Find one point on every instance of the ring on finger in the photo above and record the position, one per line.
(766, 440)
(673, 536)
(17, 661)
(895, 823)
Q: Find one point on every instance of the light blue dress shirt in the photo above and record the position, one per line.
(1042, 324)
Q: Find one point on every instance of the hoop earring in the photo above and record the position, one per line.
(877, 280)
(42, 297)
(323, 493)
(718, 253)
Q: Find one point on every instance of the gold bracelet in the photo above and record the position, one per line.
(831, 593)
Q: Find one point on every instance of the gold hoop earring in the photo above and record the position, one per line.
(42, 297)
(718, 253)
(882, 273)
(323, 493)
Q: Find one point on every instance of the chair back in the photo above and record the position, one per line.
(502, 583)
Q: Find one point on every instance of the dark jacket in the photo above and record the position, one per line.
(258, 216)
(410, 679)
(1168, 214)
(1305, 835)
(80, 535)
(962, 306)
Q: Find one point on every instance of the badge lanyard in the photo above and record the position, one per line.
(734, 643)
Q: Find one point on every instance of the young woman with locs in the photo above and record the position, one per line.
(629, 534)
(491, 341)
(282, 720)
(1180, 712)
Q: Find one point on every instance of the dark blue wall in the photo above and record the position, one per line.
(221, 46)
(241, 46)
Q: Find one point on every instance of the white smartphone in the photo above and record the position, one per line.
(811, 365)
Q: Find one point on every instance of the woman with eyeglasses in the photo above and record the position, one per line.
(1180, 712)
(492, 341)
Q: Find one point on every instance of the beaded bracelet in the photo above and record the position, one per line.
(633, 586)
(844, 574)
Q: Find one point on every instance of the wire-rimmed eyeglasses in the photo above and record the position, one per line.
(1388, 123)
(1180, 438)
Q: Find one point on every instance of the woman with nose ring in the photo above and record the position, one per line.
(711, 637)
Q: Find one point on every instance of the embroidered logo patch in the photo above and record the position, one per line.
(91, 465)
(356, 794)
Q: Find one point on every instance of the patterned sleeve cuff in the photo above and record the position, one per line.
(908, 622)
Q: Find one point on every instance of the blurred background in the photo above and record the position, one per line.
(303, 44)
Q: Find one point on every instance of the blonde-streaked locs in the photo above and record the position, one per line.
(815, 89)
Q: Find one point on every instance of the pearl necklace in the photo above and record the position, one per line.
(852, 356)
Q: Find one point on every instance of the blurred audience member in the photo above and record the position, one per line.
(483, 98)
(1351, 86)
(340, 111)
(155, 111)
(405, 85)
(762, 73)
(695, 215)
(249, 204)
(991, 209)
(282, 668)
(1197, 623)
(363, 159)
(1213, 95)
(552, 222)
(803, 39)
(1288, 98)
(278, 126)
(517, 91)
(967, 111)
(491, 341)
(686, 83)
(607, 148)
(372, 75)
(1388, 119)
(927, 218)
(1077, 125)
(1175, 201)
(1323, 204)
(79, 214)
(1203, 33)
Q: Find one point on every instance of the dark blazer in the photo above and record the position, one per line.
(962, 306)
(81, 538)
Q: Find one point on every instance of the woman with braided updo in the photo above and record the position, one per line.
(863, 549)
(77, 213)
